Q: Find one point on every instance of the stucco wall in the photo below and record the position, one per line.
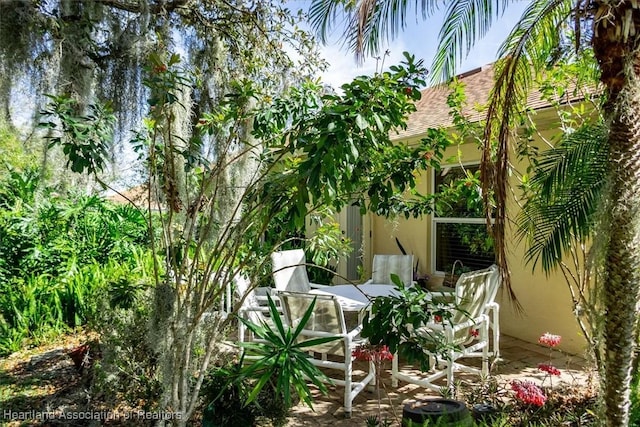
(545, 300)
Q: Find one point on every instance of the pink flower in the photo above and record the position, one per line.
(528, 392)
(549, 369)
(375, 353)
(549, 340)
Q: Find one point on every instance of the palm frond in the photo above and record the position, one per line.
(565, 190)
(525, 50)
(466, 22)
(366, 23)
(324, 14)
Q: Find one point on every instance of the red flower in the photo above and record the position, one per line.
(375, 353)
(437, 318)
(549, 369)
(549, 340)
(160, 68)
(474, 333)
(528, 392)
(408, 90)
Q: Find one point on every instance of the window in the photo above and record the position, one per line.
(459, 231)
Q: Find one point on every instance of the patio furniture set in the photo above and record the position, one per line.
(473, 330)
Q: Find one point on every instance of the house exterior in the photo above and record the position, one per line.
(545, 299)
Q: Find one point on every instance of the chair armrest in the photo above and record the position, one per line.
(368, 282)
(355, 332)
(443, 292)
(447, 298)
(261, 296)
(441, 326)
(493, 306)
(254, 308)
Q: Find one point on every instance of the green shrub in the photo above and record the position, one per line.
(55, 253)
(128, 367)
(225, 395)
(225, 392)
(43, 306)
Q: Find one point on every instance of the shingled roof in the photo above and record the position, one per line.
(433, 111)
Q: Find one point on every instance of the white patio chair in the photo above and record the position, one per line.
(327, 320)
(290, 271)
(289, 274)
(386, 265)
(466, 333)
(254, 307)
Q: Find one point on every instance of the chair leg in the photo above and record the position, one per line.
(485, 352)
(394, 370)
(348, 372)
(496, 332)
(241, 331)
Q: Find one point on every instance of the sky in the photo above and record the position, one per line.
(419, 38)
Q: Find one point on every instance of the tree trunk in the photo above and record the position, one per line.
(622, 258)
(616, 48)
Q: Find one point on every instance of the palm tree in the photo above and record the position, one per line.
(613, 29)
(558, 219)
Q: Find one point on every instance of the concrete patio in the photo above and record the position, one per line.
(519, 361)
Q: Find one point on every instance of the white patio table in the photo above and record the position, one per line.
(356, 297)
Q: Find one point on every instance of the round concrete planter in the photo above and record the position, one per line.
(437, 412)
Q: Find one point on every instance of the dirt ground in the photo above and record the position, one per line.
(45, 379)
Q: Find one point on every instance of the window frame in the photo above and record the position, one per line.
(435, 220)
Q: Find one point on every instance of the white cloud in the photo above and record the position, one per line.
(419, 38)
(344, 68)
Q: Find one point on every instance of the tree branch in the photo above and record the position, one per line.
(137, 7)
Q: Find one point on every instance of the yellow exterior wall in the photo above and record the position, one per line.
(545, 300)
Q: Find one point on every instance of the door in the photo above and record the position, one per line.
(354, 233)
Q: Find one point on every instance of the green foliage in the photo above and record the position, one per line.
(321, 274)
(392, 320)
(209, 146)
(55, 253)
(19, 175)
(85, 138)
(225, 393)
(19, 186)
(338, 146)
(39, 306)
(251, 159)
(57, 233)
(563, 194)
(128, 367)
(324, 243)
(563, 185)
(460, 197)
(281, 358)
